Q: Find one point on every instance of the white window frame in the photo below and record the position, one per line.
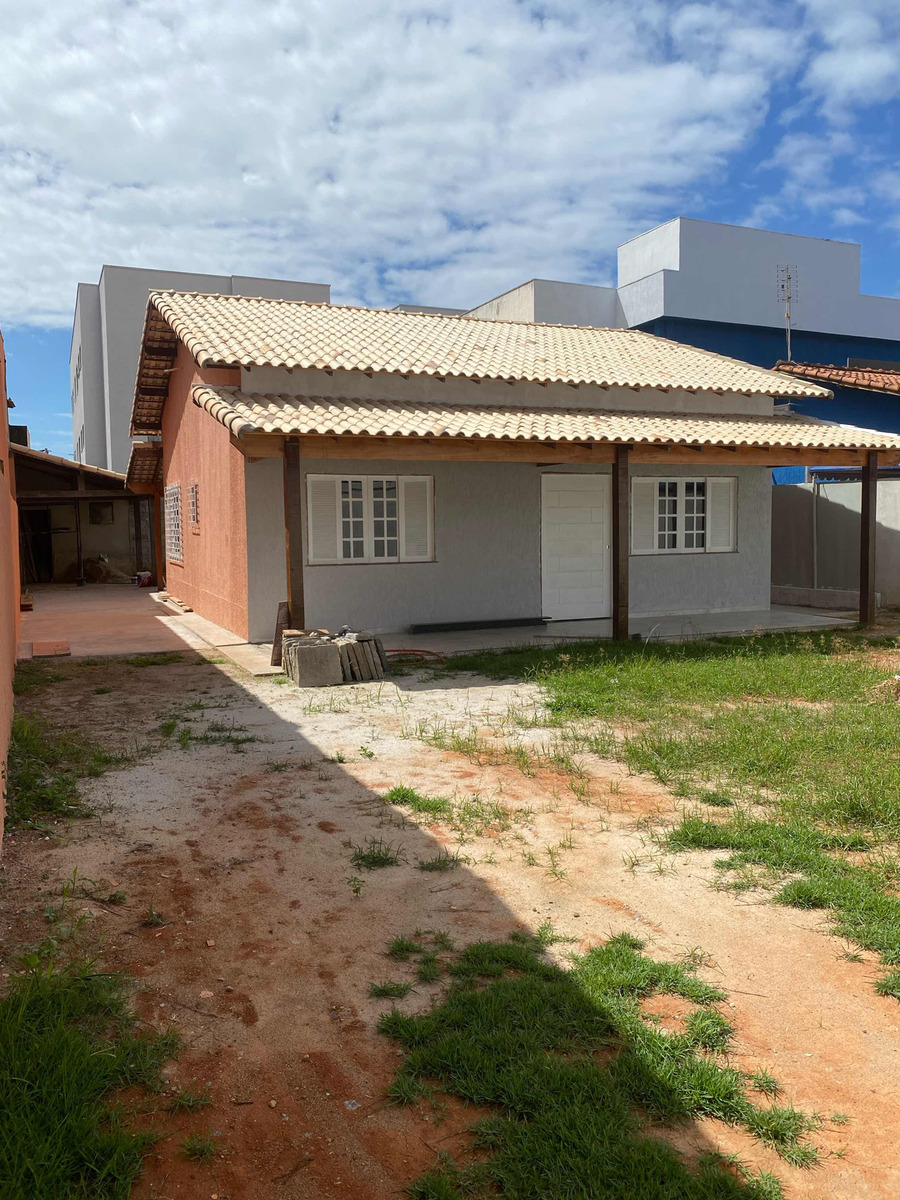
(174, 523)
(369, 558)
(679, 547)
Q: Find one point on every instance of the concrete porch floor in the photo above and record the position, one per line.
(107, 619)
(658, 629)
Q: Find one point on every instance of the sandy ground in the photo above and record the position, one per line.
(266, 957)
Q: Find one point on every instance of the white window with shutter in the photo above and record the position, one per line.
(370, 518)
(172, 509)
(683, 516)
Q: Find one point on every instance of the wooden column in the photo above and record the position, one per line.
(156, 528)
(79, 552)
(621, 497)
(293, 532)
(137, 508)
(867, 539)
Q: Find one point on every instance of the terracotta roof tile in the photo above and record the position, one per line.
(250, 332)
(869, 379)
(245, 413)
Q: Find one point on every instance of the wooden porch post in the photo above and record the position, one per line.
(293, 532)
(156, 532)
(867, 539)
(136, 515)
(620, 522)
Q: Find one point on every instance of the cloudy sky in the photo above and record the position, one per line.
(440, 151)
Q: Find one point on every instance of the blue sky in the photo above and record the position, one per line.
(431, 150)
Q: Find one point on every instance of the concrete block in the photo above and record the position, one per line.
(312, 663)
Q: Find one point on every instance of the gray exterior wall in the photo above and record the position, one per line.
(815, 541)
(488, 551)
(109, 321)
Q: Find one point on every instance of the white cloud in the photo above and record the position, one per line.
(397, 149)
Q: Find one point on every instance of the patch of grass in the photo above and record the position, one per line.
(376, 854)
(401, 949)
(44, 769)
(389, 990)
(442, 861)
(573, 1070)
(889, 985)
(709, 1030)
(34, 674)
(763, 1082)
(199, 1148)
(102, 691)
(67, 1042)
(854, 895)
(153, 660)
(275, 768)
(190, 1102)
(437, 807)
(429, 969)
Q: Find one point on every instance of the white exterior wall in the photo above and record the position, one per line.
(86, 378)
(514, 305)
(488, 553)
(109, 317)
(555, 303)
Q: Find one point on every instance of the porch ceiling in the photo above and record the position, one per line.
(256, 417)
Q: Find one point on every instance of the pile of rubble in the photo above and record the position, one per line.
(317, 658)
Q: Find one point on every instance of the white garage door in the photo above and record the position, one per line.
(575, 546)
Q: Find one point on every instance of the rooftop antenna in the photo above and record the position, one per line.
(788, 290)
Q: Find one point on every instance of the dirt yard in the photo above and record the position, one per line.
(265, 953)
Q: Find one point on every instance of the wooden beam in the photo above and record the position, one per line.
(79, 551)
(867, 528)
(293, 533)
(422, 449)
(259, 445)
(156, 527)
(620, 525)
(70, 497)
(137, 509)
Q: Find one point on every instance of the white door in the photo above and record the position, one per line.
(576, 532)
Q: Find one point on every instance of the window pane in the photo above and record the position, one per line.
(392, 549)
(379, 548)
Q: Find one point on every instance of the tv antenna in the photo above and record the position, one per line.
(788, 290)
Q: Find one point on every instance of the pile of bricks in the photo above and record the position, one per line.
(316, 658)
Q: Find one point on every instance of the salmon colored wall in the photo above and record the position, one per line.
(197, 449)
(9, 583)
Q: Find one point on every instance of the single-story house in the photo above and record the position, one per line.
(392, 470)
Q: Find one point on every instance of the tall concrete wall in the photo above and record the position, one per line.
(488, 554)
(815, 539)
(9, 584)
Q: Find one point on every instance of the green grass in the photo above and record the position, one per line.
(199, 1148)
(67, 1042)
(439, 808)
(794, 735)
(376, 854)
(442, 861)
(187, 1101)
(44, 769)
(162, 659)
(573, 1071)
(34, 674)
(389, 990)
(401, 949)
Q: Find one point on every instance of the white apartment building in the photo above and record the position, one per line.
(106, 339)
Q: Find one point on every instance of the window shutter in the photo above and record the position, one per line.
(416, 518)
(322, 518)
(643, 515)
(721, 523)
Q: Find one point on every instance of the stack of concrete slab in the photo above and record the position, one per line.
(316, 658)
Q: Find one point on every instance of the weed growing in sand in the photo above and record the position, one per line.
(439, 808)
(442, 861)
(401, 949)
(355, 884)
(275, 768)
(534, 1041)
(376, 854)
(199, 1148)
(766, 1084)
(337, 757)
(190, 1102)
(102, 691)
(389, 991)
(366, 752)
(153, 919)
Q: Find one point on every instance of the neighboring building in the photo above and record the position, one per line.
(78, 524)
(9, 583)
(106, 337)
(716, 287)
(435, 470)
